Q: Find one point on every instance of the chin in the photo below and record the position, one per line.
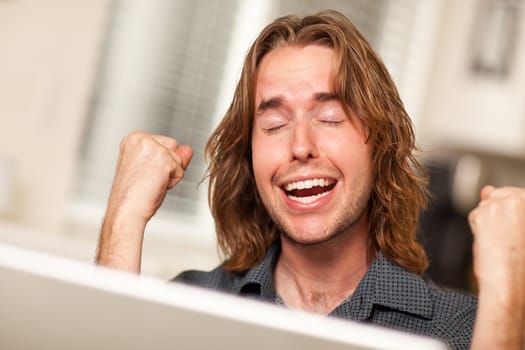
(313, 240)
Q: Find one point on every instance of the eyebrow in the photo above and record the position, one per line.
(325, 96)
(276, 102)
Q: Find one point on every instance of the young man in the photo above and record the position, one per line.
(315, 193)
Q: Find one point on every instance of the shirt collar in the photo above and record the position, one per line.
(258, 281)
(389, 285)
(385, 284)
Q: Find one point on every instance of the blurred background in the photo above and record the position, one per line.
(76, 76)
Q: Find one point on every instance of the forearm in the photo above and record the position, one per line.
(500, 321)
(148, 167)
(498, 225)
(120, 243)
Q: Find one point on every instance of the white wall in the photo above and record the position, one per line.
(49, 56)
(466, 111)
(49, 51)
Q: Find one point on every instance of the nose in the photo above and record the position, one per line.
(304, 141)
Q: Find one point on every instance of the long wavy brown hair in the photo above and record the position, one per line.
(361, 81)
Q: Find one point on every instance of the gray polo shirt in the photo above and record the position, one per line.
(387, 295)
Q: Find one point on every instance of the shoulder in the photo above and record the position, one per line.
(411, 293)
(453, 315)
(454, 312)
(256, 281)
(414, 303)
(409, 290)
(449, 302)
(217, 279)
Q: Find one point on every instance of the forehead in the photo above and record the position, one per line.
(291, 68)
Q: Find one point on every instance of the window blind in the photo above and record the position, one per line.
(163, 63)
(160, 72)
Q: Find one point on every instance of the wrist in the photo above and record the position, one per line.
(508, 300)
(125, 223)
(120, 243)
(500, 319)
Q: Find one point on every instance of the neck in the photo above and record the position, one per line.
(319, 277)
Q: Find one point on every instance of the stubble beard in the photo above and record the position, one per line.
(344, 223)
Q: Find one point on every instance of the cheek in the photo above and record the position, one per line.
(258, 171)
(267, 157)
(263, 159)
(264, 170)
(351, 154)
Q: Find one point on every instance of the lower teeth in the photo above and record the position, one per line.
(309, 199)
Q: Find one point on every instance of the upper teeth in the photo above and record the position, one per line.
(299, 185)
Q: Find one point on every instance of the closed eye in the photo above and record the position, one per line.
(273, 129)
(272, 121)
(330, 113)
(332, 122)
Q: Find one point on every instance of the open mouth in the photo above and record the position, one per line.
(308, 191)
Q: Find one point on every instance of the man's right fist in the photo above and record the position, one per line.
(148, 166)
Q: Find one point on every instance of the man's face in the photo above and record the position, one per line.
(312, 167)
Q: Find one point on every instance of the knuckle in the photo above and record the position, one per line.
(472, 216)
(517, 203)
(137, 135)
(174, 142)
(132, 138)
(167, 167)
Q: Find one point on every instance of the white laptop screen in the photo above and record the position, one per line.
(49, 302)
